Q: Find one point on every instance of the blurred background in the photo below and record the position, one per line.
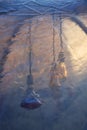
(65, 107)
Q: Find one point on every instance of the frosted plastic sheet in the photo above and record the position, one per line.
(65, 107)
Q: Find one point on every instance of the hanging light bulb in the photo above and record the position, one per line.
(61, 67)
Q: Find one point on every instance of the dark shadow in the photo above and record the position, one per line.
(79, 23)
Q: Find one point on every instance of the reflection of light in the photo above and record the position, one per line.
(77, 46)
(61, 67)
(58, 71)
(62, 71)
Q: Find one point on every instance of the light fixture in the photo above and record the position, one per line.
(32, 99)
(61, 67)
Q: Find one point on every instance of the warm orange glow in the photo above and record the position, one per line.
(77, 46)
(61, 70)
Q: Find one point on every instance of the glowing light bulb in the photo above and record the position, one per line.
(61, 67)
(62, 71)
(58, 71)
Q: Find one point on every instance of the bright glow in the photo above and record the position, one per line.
(77, 46)
(61, 71)
(58, 73)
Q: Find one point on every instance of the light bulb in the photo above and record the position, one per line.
(61, 67)
(61, 71)
(58, 71)
(54, 80)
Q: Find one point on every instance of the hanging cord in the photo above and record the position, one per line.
(30, 49)
(61, 56)
(30, 77)
(60, 33)
(54, 59)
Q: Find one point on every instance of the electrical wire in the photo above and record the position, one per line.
(54, 60)
(60, 32)
(30, 48)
